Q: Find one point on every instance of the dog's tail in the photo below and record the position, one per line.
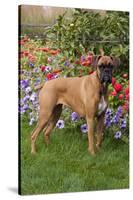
(38, 87)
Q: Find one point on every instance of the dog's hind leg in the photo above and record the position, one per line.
(47, 102)
(53, 120)
(43, 120)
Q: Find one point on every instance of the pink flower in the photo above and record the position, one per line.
(43, 68)
(127, 90)
(121, 96)
(113, 81)
(114, 93)
(127, 96)
(90, 57)
(126, 106)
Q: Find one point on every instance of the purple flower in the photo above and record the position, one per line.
(115, 119)
(25, 107)
(36, 70)
(26, 98)
(107, 122)
(31, 64)
(108, 117)
(123, 123)
(108, 112)
(67, 63)
(119, 111)
(82, 58)
(84, 128)
(37, 81)
(74, 116)
(117, 116)
(60, 124)
(118, 135)
(21, 110)
(24, 83)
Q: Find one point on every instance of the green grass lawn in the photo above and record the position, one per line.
(66, 166)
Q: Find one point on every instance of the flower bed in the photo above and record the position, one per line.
(39, 64)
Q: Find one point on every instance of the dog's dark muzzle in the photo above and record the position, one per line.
(106, 77)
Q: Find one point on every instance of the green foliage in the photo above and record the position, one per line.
(66, 166)
(91, 31)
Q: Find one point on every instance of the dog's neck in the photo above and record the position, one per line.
(103, 89)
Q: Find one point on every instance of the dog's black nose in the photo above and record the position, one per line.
(106, 70)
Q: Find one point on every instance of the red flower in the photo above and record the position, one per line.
(43, 68)
(91, 72)
(77, 62)
(121, 96)
(25, 39)
(113, 81)
(90, 57)
(127, 90)
(32, 59)
(125, 106)
(54, 52)
(49, 76)
(21, 42)
(85, 63)
(114, 93)
(57, 71)
(45, 49)
(117, 87)
(26, 53)
(127, 97)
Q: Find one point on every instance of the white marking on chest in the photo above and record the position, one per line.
(102, 105)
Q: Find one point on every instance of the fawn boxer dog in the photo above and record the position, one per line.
(88, 96)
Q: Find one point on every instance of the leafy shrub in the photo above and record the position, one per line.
(89, 31)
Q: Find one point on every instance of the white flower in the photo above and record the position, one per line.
(33, 96)
(60, 124)
(31, 121)
(48, 68)
(27, 90)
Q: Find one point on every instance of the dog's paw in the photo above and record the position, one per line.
(97, 147)
(92, 152)
(33, 152)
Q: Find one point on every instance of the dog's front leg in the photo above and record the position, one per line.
(99, 130)
(90, 124)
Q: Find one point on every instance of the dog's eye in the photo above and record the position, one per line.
(101, 66)
(110, 65)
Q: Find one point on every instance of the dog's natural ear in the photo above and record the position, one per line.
(116, 61)
(95, 60)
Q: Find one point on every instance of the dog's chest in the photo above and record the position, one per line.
(102, 105)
